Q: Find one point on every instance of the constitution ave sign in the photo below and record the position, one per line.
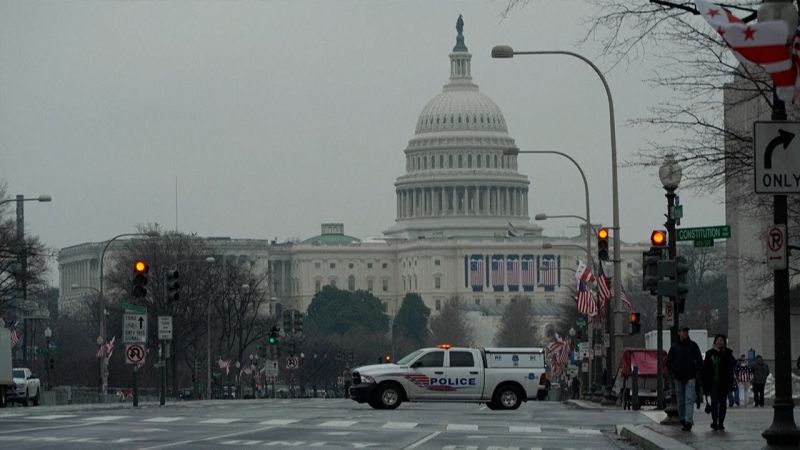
(703, 233)
(776, 157)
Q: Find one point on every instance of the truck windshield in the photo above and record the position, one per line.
(19, 373)
(408, 358)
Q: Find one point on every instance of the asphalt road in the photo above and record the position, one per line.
(311, 423)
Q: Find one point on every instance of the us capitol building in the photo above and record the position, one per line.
(462, 229)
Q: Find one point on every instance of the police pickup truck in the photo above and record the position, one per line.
(502, 378)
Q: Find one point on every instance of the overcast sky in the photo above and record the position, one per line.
(276, 116)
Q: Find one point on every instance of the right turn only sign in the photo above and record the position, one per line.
(776, 147)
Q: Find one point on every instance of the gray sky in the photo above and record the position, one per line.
(279, 115)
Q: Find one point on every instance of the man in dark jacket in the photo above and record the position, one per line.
(760, 374)
(684, 361)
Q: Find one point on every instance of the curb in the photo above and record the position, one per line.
(582, 404)
(649, 439)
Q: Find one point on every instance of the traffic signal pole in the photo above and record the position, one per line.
(672, 251)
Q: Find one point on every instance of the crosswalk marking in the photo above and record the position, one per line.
(400, 425)
(524, 429)
(4, 415)
(240, 442)
(223, 421)
(338, 423)
(279, 422)
(461, 427)
(583, 431)
(163, 419)
(52, 417)
(104, 418)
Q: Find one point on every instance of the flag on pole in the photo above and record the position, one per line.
(603, 289)
(225, 365)
(625, 300)
(109, 347)
(15, 334)
(585, 300)
(763, 43)
(584, 273)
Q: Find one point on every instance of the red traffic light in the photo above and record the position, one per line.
(635, 317)
(658, 238)
(140, 266)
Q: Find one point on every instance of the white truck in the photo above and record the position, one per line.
(502, 378)
(26, 387)
(6, 378)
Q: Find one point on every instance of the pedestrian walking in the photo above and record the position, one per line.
(685, 362)
(718, 379)
(744, 377)
(576, 388)
(760, 374)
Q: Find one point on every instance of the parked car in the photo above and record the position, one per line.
(26, 387)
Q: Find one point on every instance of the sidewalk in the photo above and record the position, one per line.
(743, 428)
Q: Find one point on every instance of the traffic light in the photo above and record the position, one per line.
(273, 336)
(602, 244)
(298, 323)
(52, 363)
(173, 285)
(287, 321)
(650, 275)
(140, 269)
(387, 358)
(658, 238)
(682, 284)
(636, 324)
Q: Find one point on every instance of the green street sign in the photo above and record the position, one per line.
(41, 351)
(703, 242)
(700, 233)
(677, 211)
(134, 308)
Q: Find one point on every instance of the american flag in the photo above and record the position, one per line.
(585, 300)
(476, 272)
(528, 273)
(762, 43)
(512, 268)
(498, 273)
(225, 365)
(547, 275)
(110, 347)
(625, 300)
(584, 273)
(15, 335)
(603, 290)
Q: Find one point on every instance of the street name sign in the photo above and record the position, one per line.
(694, 234)
(703, 242)
(134, 327)
(776, 157)
(134, 308)
(165, 328)
(776, 247)
(134, 353)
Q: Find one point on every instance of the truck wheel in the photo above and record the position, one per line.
(389, 395)
(508, 397)
(36, 399)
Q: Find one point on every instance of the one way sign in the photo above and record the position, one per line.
(134, 327)
(777, 157)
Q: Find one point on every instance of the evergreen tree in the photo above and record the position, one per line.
(410, 328)
(451, 325)
(516, 326)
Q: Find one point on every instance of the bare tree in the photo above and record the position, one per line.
(516, 326)
(451, 325)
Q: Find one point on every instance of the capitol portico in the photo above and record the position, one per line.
(462, 228)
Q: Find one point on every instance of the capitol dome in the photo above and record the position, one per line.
(460, 179)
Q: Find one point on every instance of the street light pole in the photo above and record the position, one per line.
(103, 381)
(48, 333)
(22, 258)
(615, 341)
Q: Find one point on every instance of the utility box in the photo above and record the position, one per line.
(700, 337)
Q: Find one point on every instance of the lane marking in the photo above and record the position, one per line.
(210, 438)
(104, 418)
(400, 425)
(583, 431)
(524, 429)
(240, 442)
(163, 419)
(279, 422)
(423, 440)
(52, 417)
(220, 420)
(461, 427)
(339, 423)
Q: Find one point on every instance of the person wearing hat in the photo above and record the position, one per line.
(684, 361)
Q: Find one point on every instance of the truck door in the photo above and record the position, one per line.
(426, 376)
(464, 374)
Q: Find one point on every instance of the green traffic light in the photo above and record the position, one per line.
(273, 340)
